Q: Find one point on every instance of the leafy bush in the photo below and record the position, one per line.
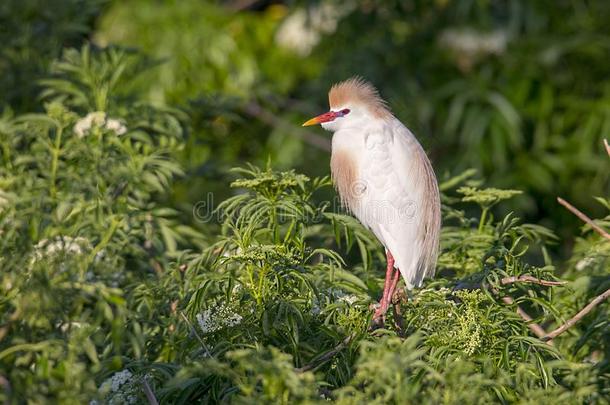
(513, 89)
(107, 296)
(32, 35)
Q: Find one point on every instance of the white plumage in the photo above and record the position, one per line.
(385, 179)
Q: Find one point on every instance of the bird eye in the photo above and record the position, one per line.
(345, 111)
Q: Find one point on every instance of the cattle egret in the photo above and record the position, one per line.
(385, 179)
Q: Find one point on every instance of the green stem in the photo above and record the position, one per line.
(261, 286)
(253, 284)
(6, 150)
(55, 161)
(483, 218)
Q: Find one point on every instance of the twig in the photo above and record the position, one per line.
(326, 356)
(150, 395)
(510, 280)
(194, 331)
(596, 301)
(583, 217)
(607, 146)
(257, 111)
(534, 327)
(530, 279)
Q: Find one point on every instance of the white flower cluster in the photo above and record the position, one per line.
(217, 318)
(303, 29)
(584, 263)
(350, 299)
(470, 41)
(65, 244)
(121, 388)
(468, 44)
(98, 119)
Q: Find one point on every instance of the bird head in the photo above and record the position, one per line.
(353, 104)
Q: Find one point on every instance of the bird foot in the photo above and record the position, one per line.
(379, 315)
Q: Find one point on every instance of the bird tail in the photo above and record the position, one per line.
(420, 263)
(430, 224)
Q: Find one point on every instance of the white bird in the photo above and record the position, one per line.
(384, 177)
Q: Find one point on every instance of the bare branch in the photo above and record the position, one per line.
(511, 280)
(256, 110)
(583, 217)
(194, 332)
(150, 395)
(326, 356)
(607, 146)
(530, 279)
(534, 327)
(596, 301)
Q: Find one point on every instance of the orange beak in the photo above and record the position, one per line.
(326, 117)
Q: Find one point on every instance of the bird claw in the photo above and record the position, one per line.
(377, 322)
(379, 316)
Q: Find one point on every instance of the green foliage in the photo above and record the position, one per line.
(106, 294)
(516, 90)
(32, 35)
(79, 224)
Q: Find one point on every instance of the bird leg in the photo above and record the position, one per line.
(392, 276)
(388, 277)
(395, 280)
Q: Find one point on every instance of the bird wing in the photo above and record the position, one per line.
(403, 204)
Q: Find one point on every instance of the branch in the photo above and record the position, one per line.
(599, 299)
(584, 218)
(534, 327)
(150, 395)
(607, 146)
(530, 279)
(326, 356)
(255, 110)
(194, 331)
(511, 280)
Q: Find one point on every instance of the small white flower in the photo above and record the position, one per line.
(302, 30)
(115, 125)
(114, 383)
(471, 41)
(98, 119)
(121, 388)
(65, 244)
(217, 318)
(349, 299)
(468, 45)
(91, 120)
(584, 263)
